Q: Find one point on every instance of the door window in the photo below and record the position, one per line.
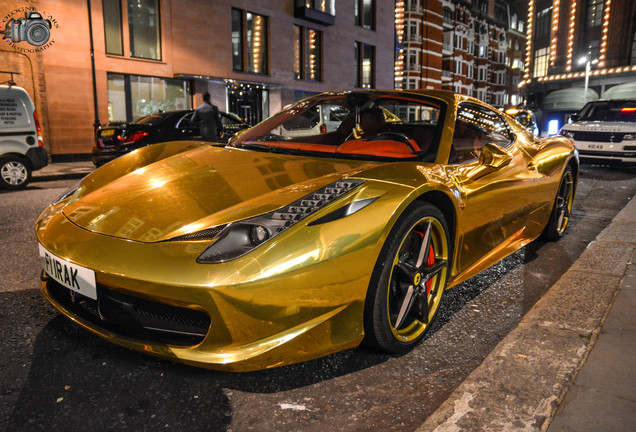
(475, 126)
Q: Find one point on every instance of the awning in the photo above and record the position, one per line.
(568, 99)
(621, 91)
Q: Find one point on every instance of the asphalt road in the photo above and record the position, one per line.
(54, 375)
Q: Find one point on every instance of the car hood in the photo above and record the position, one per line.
(197, 189)
(592, 126)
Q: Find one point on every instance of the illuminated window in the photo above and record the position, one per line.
(144, 28)
(307, 54)
(131, 97)
(541, 62)
(322, 6)
(365, 13)
(365, 65)
(249, 42)
(594, 16)
(143, 25)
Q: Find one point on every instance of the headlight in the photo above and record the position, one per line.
(628, 137)
(567, 133)
(70, 191)
(239, 238)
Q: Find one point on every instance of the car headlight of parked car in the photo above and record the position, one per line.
(239, 238)
(567, 133)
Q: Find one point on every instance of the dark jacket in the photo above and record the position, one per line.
(207, 117)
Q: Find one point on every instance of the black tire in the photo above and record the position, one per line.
(396, 316)
(561, 209)
(15, 173)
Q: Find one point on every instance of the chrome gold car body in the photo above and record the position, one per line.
(141, 222)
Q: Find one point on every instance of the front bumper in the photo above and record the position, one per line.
(264, 311)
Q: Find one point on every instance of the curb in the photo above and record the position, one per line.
(521, 383)
(53, 177)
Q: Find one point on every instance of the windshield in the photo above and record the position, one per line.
(358, 124)
(612, 111)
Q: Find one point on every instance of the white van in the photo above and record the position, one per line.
(21, 146)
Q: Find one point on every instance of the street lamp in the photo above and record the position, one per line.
(588, 65)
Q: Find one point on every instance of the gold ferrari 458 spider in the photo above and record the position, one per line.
(342, 218)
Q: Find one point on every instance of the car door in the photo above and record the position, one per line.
(185, 128)
(495, 182)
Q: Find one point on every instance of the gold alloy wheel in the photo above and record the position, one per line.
(417, 280)
(565, 197)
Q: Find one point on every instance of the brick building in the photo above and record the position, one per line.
(571, 40)
(474, 47)
(253, 57)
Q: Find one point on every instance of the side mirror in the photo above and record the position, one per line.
(491, 158)
(574, 117)
(237, 135)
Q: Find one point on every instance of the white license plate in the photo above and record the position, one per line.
(72, 276)
(596, 146)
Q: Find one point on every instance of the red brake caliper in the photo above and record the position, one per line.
(430, 262)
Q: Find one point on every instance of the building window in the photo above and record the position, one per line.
(144, 28)
(143, 25)
(541, 62)
(131, 97)
(633, 58)
(593, 49)
(412, 59)
(544, 20)
(448, 15)
(458, 66)
(482, 73)
(249, 42)
(112, 27)
(412, 84)
(237, 40)
(321, 5)
(594, 16)
(317, 11)
(365, 65)
(365, 13)
(307, 53)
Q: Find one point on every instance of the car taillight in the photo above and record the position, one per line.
(38, 129)
(135, 137)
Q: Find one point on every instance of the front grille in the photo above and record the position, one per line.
(607, 153)
(134, 317)
(614, 137)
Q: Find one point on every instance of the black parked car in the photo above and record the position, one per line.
(114, 140)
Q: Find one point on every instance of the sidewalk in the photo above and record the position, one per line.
(63, 171)
(569, 365)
